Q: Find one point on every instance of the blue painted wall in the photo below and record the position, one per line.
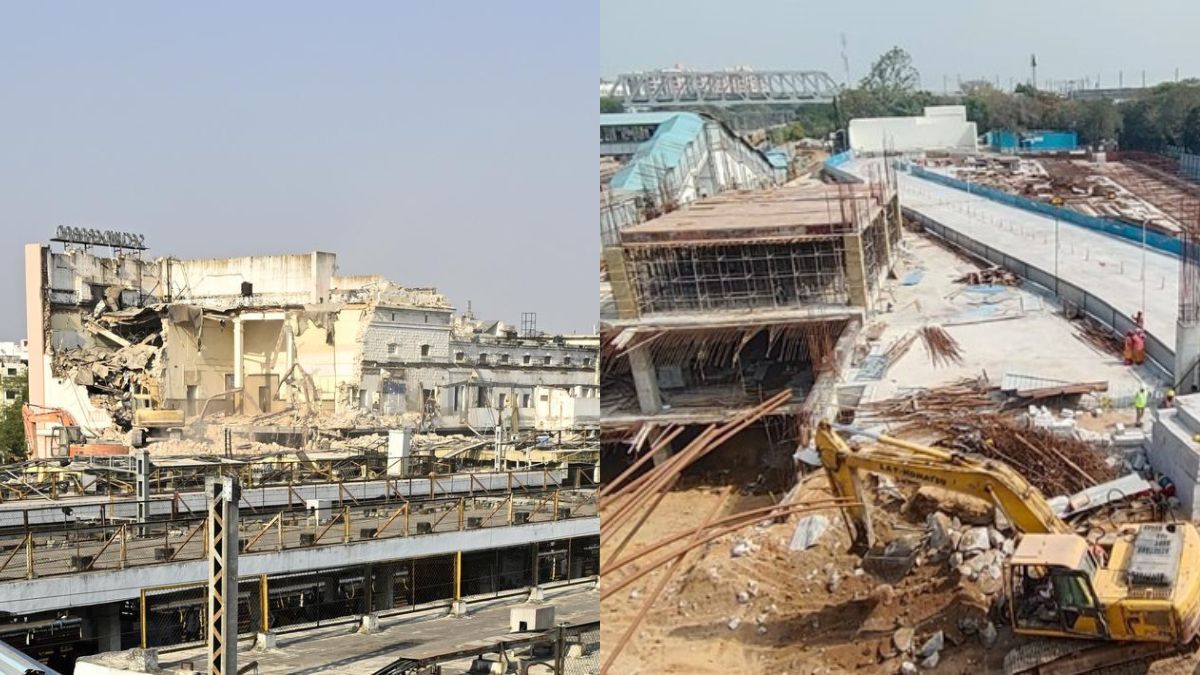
(1113, 228)
(1033, 141)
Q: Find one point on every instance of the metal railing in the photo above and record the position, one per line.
(79, 547)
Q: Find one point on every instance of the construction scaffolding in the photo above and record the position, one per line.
(745, 276)
(801, 244)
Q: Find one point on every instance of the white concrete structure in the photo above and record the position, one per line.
(1173, 451)
(940, 128)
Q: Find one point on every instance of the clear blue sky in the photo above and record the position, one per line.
(1072, 38)
(438, 143)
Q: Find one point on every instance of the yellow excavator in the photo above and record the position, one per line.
(1136, 590)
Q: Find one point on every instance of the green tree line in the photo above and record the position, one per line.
(1166, 114)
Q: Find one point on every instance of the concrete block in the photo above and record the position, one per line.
(1188, 409)
(536, 595)
(368, 623)
(482, 665)
(530, 618)
(458, 609)
(264, 641)
(320, 509)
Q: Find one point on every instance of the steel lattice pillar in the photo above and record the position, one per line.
(223, 496)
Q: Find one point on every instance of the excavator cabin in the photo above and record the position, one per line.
(1050, 579)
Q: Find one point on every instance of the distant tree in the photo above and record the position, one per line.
(892, 82)
(12, 425)
(1191, 130)
(1097, 122)
(1140, 129)
(611, 104)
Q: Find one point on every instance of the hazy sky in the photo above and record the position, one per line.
(1072, 38)
(438, 143)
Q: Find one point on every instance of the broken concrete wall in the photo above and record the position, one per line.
(199, 356)
(557, 408)
(275, 279)
(327, 348)
(81, 278)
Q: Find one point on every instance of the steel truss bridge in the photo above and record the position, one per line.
(665, 89)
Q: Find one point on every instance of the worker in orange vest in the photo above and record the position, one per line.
(1128, 348)
(1139, 347)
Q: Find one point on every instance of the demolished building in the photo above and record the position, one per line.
(282, 337)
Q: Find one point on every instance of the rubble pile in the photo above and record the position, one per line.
(989, 276)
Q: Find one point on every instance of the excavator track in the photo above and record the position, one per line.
(1076, 657)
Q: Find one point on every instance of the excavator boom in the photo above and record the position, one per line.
(991, 481)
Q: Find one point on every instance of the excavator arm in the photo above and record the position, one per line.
(991, 481)
(33, 415)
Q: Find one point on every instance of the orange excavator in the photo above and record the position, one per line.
(67, 439)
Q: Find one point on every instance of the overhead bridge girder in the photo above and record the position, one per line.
(725, 88)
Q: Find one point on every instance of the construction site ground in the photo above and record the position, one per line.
(792, 622)
(999, 330)
(770, 609)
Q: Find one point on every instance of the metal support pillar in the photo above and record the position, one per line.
(498, 461)
(142, 479)
(223, 496)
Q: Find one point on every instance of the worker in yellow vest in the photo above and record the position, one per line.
(1139, 403)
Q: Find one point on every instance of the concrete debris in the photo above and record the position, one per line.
(973, 540)
(808, 531)
(734, 623)
(835, 580)
(933, 645)
(902, 639)
(908, 668)
(743, 597)
(739, 549)
(930, 662)
(938, 526)
(994, 537)
(988, 635)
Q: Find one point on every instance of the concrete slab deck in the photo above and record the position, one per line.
(1107, 267)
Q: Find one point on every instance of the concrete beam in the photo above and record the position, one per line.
(93, 588)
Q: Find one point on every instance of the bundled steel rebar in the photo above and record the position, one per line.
(942, 348)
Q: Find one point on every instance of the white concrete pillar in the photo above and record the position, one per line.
(645, 380)
(289, 347)
(1187, 353)
(238, 352)
(106, 624)
(398, 450)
